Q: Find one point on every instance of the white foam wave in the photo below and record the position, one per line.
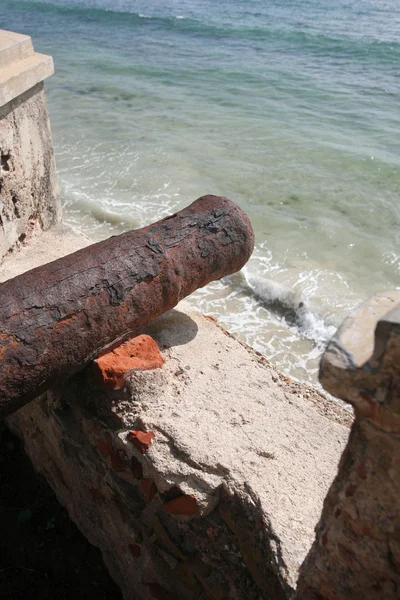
(292, 305)
(313, 327)
(270, 292)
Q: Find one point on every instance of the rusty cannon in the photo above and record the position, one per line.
(56, 318)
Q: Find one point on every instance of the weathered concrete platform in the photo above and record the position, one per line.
(223, 500)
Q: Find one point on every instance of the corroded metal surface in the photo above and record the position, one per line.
(56, 318)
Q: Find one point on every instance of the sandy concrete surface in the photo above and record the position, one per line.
(225, 421)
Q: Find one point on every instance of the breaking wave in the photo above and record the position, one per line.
(289, 304)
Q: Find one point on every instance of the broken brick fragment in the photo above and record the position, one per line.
(136, 468)
(182, 505)
(350, 490)
(149, 489)
(118, 461)
(210, 533)
(347, 555)
(158, 592)
(361, 470)
(140, 353)
(96, 494)
(135, 550)
(117, 457)
(141, 439)
(96, 429)
(105, 444)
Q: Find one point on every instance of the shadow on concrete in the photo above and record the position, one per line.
(175, 328)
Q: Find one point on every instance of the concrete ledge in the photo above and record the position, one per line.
(41, 248)
(29, 195)
(19, 77)
(14, 47)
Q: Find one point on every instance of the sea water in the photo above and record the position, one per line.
(290, 108)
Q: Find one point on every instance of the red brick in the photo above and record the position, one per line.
(118, 460)
(136, 468)
(117, 457)
(140, 353)
(149, 489)
(141, 439)
(135, 549)
(350, 490)
(183, 505)
(158, 592)
(96, 494)
(105, 444)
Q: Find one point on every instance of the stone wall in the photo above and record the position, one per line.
(29, 198)
(356, 553)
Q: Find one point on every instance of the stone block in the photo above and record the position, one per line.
(29, 197)
(13, 48)
(356, 553)
(17, 78)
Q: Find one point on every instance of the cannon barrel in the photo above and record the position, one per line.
(56, 318)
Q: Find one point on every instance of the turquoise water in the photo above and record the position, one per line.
(291, 109)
